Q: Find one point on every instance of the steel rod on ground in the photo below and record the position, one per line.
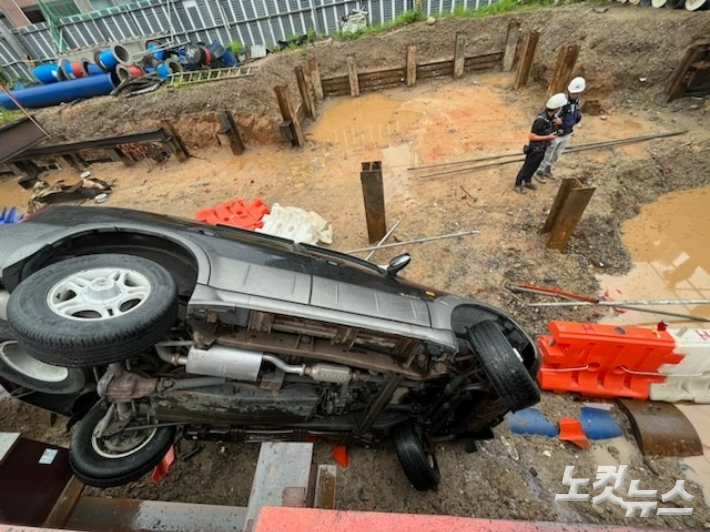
(600, 143)
(519, 158)
(415, 241)
(656, 311)
(617, 303)
(384, 239)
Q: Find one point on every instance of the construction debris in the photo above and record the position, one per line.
(87, 188)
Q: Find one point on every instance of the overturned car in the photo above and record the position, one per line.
(140, 326)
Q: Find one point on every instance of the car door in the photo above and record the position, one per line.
(353, 285)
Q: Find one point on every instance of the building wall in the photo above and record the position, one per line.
(11, 10)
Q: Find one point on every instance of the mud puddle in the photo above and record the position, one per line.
(374, 119)
(668, 245)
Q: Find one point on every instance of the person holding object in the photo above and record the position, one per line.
(570, 115)
(540, 136)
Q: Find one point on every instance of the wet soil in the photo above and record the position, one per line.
(433, 123)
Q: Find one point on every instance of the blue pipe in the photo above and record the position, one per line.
(168, 67)
(228, 59)
(89, 68)
(46, 73)
(56, 93)
(93, 70)
(153, 49)
(216, 49)
(110, 58)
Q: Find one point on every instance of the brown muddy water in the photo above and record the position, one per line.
(357, 122)
(670, 248)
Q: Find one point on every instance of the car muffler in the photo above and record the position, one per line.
(244, 365)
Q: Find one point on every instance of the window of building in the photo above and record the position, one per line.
(33, 14)
(100, 4)
(62, 8)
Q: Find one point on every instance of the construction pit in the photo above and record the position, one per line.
(642, 235)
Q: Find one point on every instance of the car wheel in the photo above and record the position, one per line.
(503, 367)
(117, 459)
(93, 310)
(418, 462)
(20, 368)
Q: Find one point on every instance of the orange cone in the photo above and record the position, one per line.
(340, 454)
(162, 468)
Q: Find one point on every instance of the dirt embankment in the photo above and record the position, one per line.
(619, 47)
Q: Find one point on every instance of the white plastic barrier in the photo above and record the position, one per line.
(689, 380)
(297, 225)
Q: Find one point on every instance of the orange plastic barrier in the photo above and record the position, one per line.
(236, 213)
(603, 360)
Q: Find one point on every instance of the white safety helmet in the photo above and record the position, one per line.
(557, 100)
(577, 85)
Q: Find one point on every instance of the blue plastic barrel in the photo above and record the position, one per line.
(110, 58)
(46, 73)
(228, 59)
(217, 50)
(167, 67)
(152, 47)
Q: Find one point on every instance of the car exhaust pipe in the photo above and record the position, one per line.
(244, 365)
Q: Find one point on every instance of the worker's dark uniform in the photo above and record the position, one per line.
(541, 126)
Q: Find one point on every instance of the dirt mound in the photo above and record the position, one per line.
(619, 46)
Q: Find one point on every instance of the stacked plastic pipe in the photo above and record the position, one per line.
(66, 81)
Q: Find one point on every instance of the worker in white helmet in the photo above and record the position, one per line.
(570, 115)
(543, 131)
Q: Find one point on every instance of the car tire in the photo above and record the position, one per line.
(504, 369)
(418, 463)
(96, 464)
(23, 370)
(93, 310)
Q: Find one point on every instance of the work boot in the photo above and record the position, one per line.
(520, 189)
(530, 185)
(540, 177)
(548, 174)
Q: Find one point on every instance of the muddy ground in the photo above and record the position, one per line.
(511, 476)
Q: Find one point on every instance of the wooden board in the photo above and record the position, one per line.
(379, 74)
(315, 78)
(272, 479)
(352, 75)
(566, 60)
(411, 66)
(527, 56)
(678, 81)
(511, 45)
(306, 91)
(459, 54)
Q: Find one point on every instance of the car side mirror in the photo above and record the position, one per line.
(398, 263)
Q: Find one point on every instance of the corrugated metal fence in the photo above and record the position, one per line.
(249, 21)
